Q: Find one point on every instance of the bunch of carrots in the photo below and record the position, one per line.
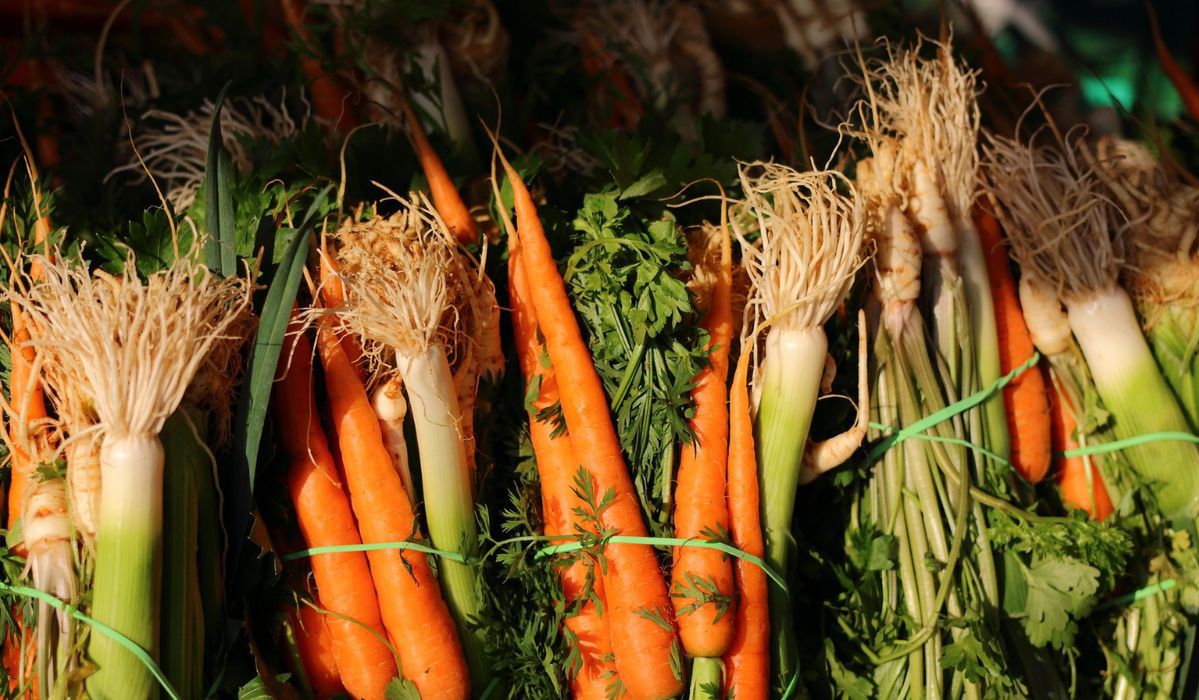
(265, 440)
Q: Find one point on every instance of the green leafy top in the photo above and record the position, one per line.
(642, 333)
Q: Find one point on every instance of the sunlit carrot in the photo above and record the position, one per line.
(644, 640)
(1025, 398)
(414, 612)
(702, 586)
(343, 580)
(557, 464)
(748, 660)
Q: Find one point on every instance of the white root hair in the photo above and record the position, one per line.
(810, 232)
(1160, 223)
(174, 147)
(130, 346)
(408, 284)
(929, 106)
(1058, 221)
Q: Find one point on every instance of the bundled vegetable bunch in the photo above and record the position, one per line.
(481, 350)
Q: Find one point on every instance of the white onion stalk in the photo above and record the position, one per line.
(1059, 225)
(130, 347)
(1162, 258)
(809, 245)
(412, 294)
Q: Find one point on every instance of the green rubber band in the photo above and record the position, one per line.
(1141, 594)
(564, 547)
(951, 440)
(491, 687)
(1116, 445)
(675, 542)
(131, 646)
(375, 547)
(917, 429)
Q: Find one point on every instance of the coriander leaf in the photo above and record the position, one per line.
(1059, 591)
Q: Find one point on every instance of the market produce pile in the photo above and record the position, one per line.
(638, 349)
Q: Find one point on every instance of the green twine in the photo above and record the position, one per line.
(131, 646)
(917, 429)
(675, 542)
(1141, 594)
(561, 548)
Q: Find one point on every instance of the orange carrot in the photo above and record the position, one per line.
(1025, 397)
(414, 613)
(556, 466)
(27, 400)
(598, 64)
(640, 615)
(14, 653)
(317, 651)
(446, 198)
(328, 97)
(333, 295)
(1080, 489)
(705, 626)
(748, 660)
(343, 580)
(1187, 89)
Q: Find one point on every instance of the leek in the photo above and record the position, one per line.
(807, 249)
(130, 347)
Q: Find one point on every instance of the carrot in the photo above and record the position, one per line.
(333, 295)
(700, 506)
(1025, 397)
(14, 652)
(446, 198)
(1081, 483)
(556, 466)
(748, 660)
(598, 64)
(644, 640)
(328, 96)
(343, 580)
(27, 400)
(1187, 89)
(317, 650)
(414, 613)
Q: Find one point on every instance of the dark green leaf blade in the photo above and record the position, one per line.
(220, 251)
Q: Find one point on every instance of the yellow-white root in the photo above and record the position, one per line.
(83, 477)
(51, 550)
(391, 408)
(825, 455)
(174, 147)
